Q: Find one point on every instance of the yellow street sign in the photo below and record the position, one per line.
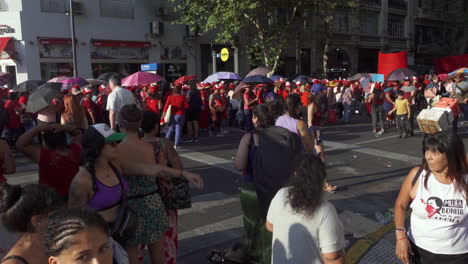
(224, 54)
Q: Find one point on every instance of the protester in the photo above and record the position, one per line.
(152, 101)
(195, 102)
(118, 98)
(178, 104)
(291, 120)
(250, 100)
(14, 122)
(100, 185)
(433, 89)
(376, 100)
(58, 161)
(165, 155)
(437, 192)
(93, 113)
(459, 91)
(74, 114)
(24, 210)
(403, 114)
(7, 161)
(389, 103)
(305, 226)
(143, 195)
(346, 100)
(410, 95)
(77, 235)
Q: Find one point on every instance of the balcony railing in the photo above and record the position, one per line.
(371, 3)
(369, 23)
(397, 4)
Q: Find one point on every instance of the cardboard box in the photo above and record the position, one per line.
(432, 121)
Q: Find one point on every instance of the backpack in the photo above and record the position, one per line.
(273, 163)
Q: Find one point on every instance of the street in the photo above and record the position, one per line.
(368, 171)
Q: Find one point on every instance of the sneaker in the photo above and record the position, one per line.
(380, 133)
(224, 132)
(175, 147)
(188, 141)
(195, 139)
(219, 135)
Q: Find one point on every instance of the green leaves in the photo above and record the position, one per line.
(267, 20)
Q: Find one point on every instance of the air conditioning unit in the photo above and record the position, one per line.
(78, 8)
(162, 12)
(157, 28)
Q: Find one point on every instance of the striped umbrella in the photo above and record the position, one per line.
(461, 70)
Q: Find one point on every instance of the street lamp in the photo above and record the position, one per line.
(72, 26)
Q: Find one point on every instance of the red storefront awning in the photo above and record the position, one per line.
(121, 43)
(55, 41)
(4, 43)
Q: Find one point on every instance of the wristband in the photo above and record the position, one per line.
(398, 230)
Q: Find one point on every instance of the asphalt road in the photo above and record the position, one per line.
(368, 171)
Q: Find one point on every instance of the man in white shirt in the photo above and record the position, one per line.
(118, 98)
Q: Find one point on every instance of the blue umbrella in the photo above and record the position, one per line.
(222, 76)
(257, 79)
(276, 77)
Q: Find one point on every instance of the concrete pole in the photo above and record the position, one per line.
(213, 55)
(236, 60)
(72, 26)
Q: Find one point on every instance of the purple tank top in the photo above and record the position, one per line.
(287, 122)
(107, 197)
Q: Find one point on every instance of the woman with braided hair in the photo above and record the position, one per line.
(24, 210)
(99, 183)
(77, 235)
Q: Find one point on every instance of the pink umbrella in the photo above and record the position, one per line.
(141, 78)
(69, 82)
(442, 76)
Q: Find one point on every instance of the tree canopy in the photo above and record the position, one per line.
(269, 21)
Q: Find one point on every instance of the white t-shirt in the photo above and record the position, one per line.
(439, 221)
(119, 98)
(302, 239)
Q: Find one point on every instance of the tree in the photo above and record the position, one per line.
(270, 21)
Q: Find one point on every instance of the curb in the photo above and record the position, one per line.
(363, 245)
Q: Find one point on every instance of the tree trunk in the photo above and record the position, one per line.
(325, 56)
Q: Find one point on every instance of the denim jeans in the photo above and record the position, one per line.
(346, 112)
(176, 125)
(248, 120)
(377, 113)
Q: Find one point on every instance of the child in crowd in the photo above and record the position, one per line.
(403, 114)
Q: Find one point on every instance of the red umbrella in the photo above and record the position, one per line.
(185, 78)
(442, 76)
(141, 78)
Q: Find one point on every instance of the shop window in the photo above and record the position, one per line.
(117, 8)
(396, 26)
(54, 6)
(3, 5)
(341, 21)
(369, 23)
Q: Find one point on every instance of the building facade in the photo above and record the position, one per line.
(120, 35)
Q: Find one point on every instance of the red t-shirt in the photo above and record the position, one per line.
(90, 105)
(178, 102)
(284, 94)
(57, 171)
(305, 98)
(14, 119)
(152, 105)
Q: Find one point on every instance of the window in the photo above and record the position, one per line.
(396, 25)
(117, 8)
(3, 5)
(369, 23)
(54, 6)
(341, 21)
(397, 4)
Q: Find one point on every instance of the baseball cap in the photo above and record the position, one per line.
(87, 90)
(108, 134)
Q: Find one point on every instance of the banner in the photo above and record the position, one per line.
(392, 61)
(450, 63)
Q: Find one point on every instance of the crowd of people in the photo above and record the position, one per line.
(109, 186)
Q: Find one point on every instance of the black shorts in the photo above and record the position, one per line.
(193, 115)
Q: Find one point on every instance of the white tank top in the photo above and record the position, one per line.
(439, 221)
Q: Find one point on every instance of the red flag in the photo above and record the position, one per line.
(392, 61)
